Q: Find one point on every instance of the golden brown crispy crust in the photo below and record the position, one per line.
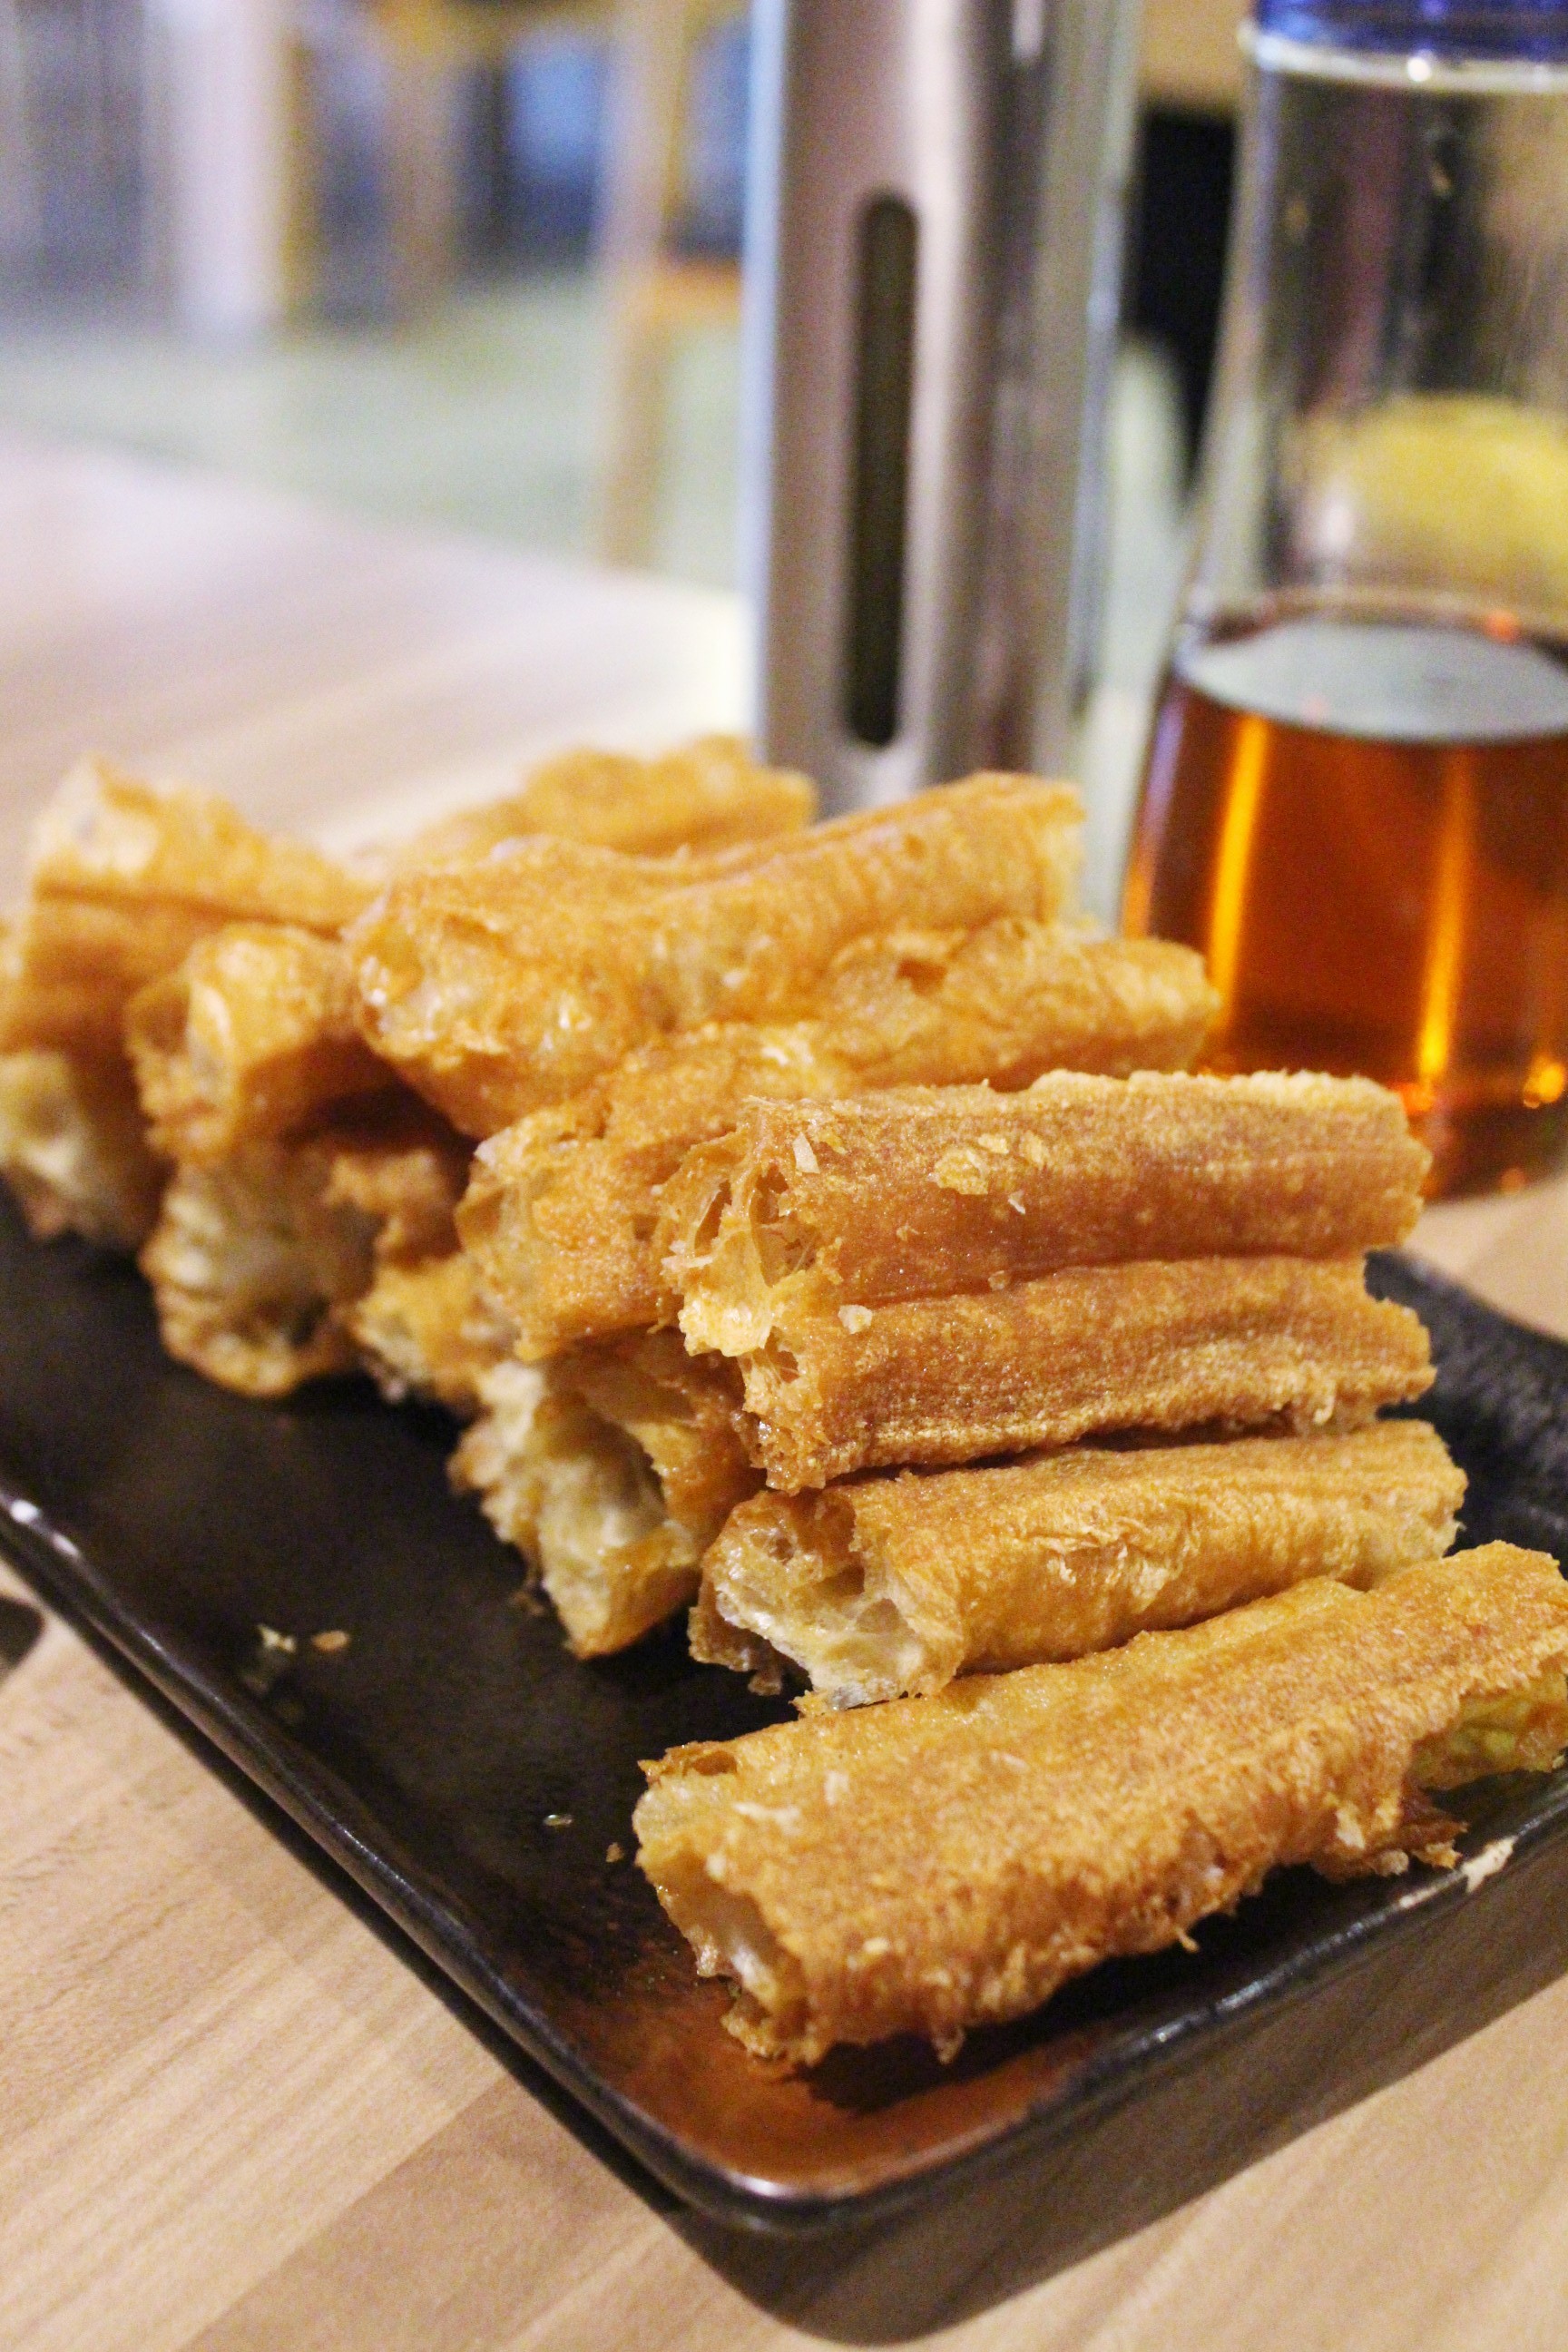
(704, 795)
(423, 1329)
(888, 1586)
(612, 1469)
(1243, 1342)
(124, 880)
(943, 1863)
(257, 1258)
(561, 1213)
(808, 1206)
(498, 988)
(253, 1037)
(73, 1149)
(1005, 1001)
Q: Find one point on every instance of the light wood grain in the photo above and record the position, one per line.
(324, 673)
(233, 2116)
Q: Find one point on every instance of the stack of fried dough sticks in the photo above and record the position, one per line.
(816, 1227)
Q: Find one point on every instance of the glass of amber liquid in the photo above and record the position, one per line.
(1356, 796)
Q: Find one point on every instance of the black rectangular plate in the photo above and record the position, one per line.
(473, 1779)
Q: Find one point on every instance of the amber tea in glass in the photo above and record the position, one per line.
(1356, 796)
(1381, 887)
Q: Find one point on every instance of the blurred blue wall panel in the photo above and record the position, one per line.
(70, 165)
(559, 92)
(716, 142)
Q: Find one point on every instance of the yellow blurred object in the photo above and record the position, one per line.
(654, 294)
(1464, 489)
(1190, 60)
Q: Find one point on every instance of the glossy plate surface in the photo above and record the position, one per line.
(474, 1778)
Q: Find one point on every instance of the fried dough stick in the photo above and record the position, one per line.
(1243, 1343)
(944, 1863)
(256, 1082)
(704, 795)
(561, 1210)
(612, 1469)
(806, 1207)
(257, 1259)
(891, 1586)
(498, 988)
(252, 1037)
(123, 879)
(73, 1148)
(256, 1033)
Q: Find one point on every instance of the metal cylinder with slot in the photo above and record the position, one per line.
(932, 261)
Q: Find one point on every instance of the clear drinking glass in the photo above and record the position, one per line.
(1356, 797)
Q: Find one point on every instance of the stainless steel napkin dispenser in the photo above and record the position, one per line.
(933, 258)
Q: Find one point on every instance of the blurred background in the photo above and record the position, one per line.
(475, 263)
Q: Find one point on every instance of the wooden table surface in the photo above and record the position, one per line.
(232, 2116)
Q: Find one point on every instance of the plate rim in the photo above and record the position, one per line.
(339, 1823)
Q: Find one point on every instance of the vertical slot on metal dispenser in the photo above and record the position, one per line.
(878, 511)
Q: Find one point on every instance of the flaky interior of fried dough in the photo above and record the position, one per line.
(788, 1585)
(257, 1258)
(561, 1211)
(403, 1170)
(247, 1262)
(73, 1149)
(612, 1471)
(1521, 1730)
(579, 1499)
(731, 1938)
(497, 1459)
(703, 795)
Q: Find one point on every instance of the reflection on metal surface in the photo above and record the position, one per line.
(1003, 134)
